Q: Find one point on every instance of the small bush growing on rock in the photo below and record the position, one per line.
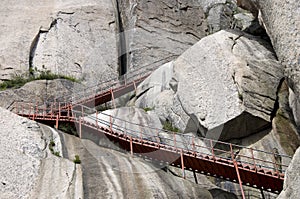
(169, 127)
(20, 80)
(77, 160)
(146, 109)
(56, 153)
(51, 145)
(68, 128)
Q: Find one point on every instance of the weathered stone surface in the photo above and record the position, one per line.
(292, 179)
(78, 41)
(39, 91)
(109, 173)
(281, 21)
(156, 32)
(229, 93)
(67, 37)
(159, 31)
(27, 168)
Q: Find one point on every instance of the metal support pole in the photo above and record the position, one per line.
(56, 124)
(131, 147)
(237, 172)
(59, 113)
(252, 155)
(113, 98)
(212, 150)
(182, 164)
(80, 133)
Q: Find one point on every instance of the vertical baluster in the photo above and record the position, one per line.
(182, 164)
(212, 150)
(252, 155)
(131, 146)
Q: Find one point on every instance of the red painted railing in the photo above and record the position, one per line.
(250, 166)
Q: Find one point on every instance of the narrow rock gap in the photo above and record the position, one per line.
(122, 48)
(35, 42)
(33, 47)
(276, 104)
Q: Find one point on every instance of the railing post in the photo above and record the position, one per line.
(252, 155)
(59, 111)
(212, 150)
(44, 110)
(237, 172)
(113, 98)
(80, 133)
(56, 124)
(68, 108)
(131, 146)
(182, 164)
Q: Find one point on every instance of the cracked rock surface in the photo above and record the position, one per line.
(281, 21)
(67, 37)
(28, 169)
(235, 87)
(110, 174)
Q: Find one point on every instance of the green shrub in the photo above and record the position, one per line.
(56, 153)
(68, 128)
(51, 145)
(77, 160)
(169, 127)
(146, 109)
(18, 81)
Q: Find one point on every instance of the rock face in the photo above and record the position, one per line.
(156, 32)
(67, 37)
(233, 97)
(28, 169)
(39, 91)
(111, 174)
(292, 179)
(77, 41)
(283, 29)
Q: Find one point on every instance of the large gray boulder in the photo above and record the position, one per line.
(228, 93)
(27, 167)
(281, 21)
(292, 179)
(66, 37)
(156, 32)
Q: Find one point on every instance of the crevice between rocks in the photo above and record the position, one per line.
(276, 103)
(35, 42)
(121, 43)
